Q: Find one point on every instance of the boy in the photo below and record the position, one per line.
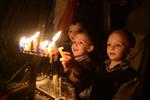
(81, 46)
(117, 69)
(74, 28)
(66, 39)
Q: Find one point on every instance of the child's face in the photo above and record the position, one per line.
(73, 29)
(117, 47)
(80, 46)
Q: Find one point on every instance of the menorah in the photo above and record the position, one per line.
(51, 85)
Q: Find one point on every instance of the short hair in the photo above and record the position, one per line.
(76, 22)
(129, 36)
(88, 36)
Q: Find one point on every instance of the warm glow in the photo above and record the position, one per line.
(22, 42)
(36, 35)
(45, 47)
(44, 44)
(25, 41)
(50, 46)
(56, 36)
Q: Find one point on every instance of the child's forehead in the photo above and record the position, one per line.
(118, 38)
(124, 35)
(81, 35)
(75, 26)
(118, 35)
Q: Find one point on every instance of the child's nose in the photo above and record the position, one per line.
(75, 44)
(112, 47)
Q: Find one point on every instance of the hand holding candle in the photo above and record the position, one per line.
(66, 59)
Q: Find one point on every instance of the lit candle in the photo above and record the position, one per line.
(34, 39)
(27, 46)
(51, 45)
(22, 43)
(44, 47)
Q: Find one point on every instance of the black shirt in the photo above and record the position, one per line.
(107, 82)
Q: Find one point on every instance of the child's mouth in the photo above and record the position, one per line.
(112, 53)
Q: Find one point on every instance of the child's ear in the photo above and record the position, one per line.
(90, 48)
(131, 51)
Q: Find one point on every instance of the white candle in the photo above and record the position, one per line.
(55, 84)
(27, 46)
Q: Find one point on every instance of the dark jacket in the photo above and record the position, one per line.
(106, 82)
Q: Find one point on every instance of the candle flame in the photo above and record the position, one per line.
(56, 36)
(44, 44)
(24, 41)
(45, 47)
(36, 35)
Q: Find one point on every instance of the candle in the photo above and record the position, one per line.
(35, 44)
(55, 84)
(43, 47)
(22, 43)
(34, 40)
(61, 50)
(27, 47)
(59, 87)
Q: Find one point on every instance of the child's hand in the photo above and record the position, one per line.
(66, 59)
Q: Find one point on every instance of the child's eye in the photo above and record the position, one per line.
(118, 45)
(70, 31)
(81, 42)
(108, 44)
(73, 42)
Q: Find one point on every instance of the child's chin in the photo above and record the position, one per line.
(112, 58)
(75, 55)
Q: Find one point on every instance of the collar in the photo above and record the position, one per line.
(86, 57)
(124, 65)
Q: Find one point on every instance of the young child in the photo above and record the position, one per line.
(81, 47)
(67, 37)
(74, 28)
(117, 69)
(65, 41)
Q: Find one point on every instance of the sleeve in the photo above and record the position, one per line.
(83, 73)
